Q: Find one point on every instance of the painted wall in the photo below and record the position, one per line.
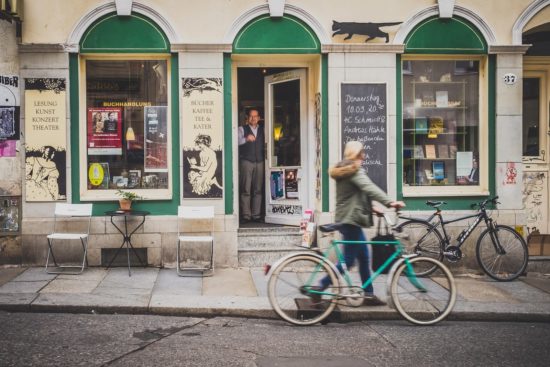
(541, 17)
(10, 170)
(209, 20)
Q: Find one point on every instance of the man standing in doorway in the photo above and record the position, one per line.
(251, 156)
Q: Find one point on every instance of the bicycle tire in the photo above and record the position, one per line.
(429, 305)
(502, 267)
(423, 240)
(286, 289)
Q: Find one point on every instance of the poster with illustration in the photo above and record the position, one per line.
(291, 183)
(104, 131)
(277, 185)
(156, 139)
(45, 139)
(9, 109)
(202, 119)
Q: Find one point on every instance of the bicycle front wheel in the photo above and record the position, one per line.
(423, 300)
(289, 290)
(502, 253)
(423, 240)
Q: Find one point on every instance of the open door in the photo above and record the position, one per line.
(287, 184)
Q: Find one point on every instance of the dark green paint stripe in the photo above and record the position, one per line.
(227, 139)
(324, 133)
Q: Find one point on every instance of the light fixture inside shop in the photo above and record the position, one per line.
(130, 136)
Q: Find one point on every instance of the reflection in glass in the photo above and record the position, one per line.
(531, 116)
(286, 124)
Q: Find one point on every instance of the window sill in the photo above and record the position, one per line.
(111, 195)
(438, 191)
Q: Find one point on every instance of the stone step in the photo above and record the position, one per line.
(260, 246)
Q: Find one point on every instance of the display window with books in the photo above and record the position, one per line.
(127, 125)
(444, 133)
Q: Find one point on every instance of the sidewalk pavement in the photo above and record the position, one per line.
(240, 292)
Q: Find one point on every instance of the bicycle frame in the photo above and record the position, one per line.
(346, 275)
(481, 215)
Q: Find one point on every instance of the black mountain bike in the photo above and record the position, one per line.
(501, 251)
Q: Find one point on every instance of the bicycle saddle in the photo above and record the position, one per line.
(435, 204)
(329, 227)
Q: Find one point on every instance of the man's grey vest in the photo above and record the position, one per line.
(253, 151)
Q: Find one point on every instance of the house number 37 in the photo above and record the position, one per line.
(510, 78)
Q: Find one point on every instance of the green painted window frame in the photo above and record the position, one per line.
(263, 34)
(454, 202)
(155, 207)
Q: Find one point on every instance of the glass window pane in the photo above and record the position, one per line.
(440, 122)
(127, 124)
(286, 124)
(531, 116)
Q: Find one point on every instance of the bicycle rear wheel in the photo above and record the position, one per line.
(423, 300)
(507, 264)
(423, 240)
(289, 288)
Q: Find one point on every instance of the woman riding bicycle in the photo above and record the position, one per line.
(354, 195)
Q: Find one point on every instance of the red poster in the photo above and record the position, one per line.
(104, 131)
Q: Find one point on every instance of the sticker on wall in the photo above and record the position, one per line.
(104, 131)
(202, 138)
(45, 139)
(156, 139)
(9, 115)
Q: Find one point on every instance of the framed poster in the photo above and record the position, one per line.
(202, 116)
(156, 139)
(45, 139)
(104, 131)
(291, 184)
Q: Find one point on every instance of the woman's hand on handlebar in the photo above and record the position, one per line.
(397, 205)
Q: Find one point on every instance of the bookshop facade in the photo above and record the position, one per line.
(129, 96)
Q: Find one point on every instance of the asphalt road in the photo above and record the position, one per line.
(36, 339)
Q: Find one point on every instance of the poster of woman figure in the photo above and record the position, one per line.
(202, 172)
(44, 181)
(202, 117)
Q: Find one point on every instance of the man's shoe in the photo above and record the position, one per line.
(373, 301)
(257, 220)
(315, 297)
(245, 220)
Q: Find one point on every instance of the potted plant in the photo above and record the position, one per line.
(126, 199)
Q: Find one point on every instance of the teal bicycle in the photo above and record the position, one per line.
(295, 295)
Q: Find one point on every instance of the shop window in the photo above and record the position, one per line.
(442, 129)
(127, 125)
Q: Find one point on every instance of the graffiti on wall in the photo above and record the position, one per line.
(535, 198)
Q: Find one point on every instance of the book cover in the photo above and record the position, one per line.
(421, 125)
(442, 98)
(442, 151)
(418, 152)
(452, 151)
(438, 170)
(436, 127)
(430, 151)
(134, 178)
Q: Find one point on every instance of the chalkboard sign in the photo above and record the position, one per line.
(364, 118)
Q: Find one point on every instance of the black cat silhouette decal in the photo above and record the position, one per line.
(371, 30)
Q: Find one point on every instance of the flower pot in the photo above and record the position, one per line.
(125, 204)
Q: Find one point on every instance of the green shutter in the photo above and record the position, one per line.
(286, 35)
(440, 36)
(132, 34)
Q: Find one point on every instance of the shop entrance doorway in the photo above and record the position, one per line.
(279, 96)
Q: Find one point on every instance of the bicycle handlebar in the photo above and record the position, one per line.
(481, 205)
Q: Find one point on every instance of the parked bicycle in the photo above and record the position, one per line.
(501, 251)
(295, 295)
